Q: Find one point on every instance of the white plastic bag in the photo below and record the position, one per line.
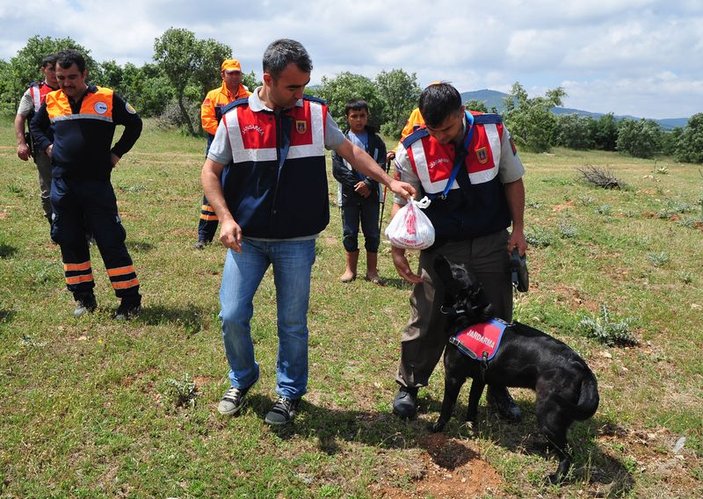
(410, 228)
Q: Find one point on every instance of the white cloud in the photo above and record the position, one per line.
(665, 96)
(639, 57)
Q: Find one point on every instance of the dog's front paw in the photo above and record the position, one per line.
(554, 479)
(437, 427)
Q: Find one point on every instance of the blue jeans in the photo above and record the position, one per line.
(292, 265)
(366, 211)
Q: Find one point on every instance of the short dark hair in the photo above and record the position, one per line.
(356, 105)
(437, 102)
(67, 58)
(281, 53)
(49, 60)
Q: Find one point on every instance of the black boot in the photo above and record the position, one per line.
(129, 308)
(405, 403)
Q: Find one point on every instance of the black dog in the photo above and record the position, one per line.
(527, 358)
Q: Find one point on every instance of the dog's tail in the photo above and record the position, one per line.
(588, 398)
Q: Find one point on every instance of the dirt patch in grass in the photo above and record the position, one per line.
(653, 452)
(574, 298)
(561, 207)
(447, 468)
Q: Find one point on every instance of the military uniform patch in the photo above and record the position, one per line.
(482, 155)
(301, 126)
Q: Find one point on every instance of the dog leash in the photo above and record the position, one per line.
(484, 366)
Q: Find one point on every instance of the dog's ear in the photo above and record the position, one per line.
(444, 271)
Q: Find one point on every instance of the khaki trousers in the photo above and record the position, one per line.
(43, 163)
(424, 338)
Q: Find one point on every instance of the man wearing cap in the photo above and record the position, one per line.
(210, 115)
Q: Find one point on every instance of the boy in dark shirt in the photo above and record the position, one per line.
(359, 194)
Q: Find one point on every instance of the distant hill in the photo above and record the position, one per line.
(495, 99)
(492, 98)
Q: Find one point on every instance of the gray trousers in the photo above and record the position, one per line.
(424, 338)
(43, 163)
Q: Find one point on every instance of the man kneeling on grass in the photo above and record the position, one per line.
(265, 177)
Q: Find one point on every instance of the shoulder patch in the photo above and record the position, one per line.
(487, 119)
(128, 107)
(414, 137)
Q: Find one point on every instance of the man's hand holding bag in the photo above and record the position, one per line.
(410, 228)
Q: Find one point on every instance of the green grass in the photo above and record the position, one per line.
(96, 408)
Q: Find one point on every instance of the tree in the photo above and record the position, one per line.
(574, 131)
(249, 80)
(208, 60)
(24, 67)
(111, 76)
(531, 121)
(641, 139)
(399, 92)
(192, 67)
(146, 88)
(476, 105)
(604, 132)
(345, 86)
(6, 85)
(670, 141)
(689, 145)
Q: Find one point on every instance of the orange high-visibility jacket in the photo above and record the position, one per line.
(215, 100)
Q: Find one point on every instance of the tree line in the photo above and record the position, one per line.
(535, 127)
(185, 68)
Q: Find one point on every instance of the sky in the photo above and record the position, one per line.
(640, 58)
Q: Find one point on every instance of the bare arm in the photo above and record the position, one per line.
(515, 195)
(400, 261)
(23, 151)
(230, 231)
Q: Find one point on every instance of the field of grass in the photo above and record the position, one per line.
(91, 407)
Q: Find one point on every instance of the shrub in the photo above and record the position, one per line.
(641, 139)
(539, 237)
(658, 259)
(607, 331)
(600, 177)
(180, 393)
